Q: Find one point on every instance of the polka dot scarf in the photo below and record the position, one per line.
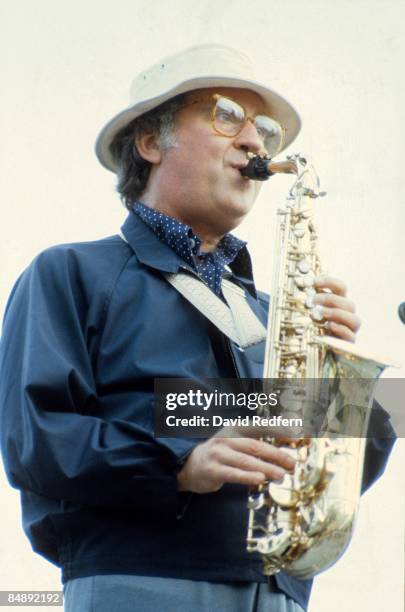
(181, 238)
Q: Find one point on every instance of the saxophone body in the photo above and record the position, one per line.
(303, 524)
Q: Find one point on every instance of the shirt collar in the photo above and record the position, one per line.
(153, 252)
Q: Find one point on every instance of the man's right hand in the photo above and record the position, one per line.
(239, 460)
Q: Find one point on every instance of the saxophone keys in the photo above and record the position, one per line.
(294, 345)
(317, 313)
(256, 501)
(309, 280)
(283, 493)
(305, 282)
(304, 266)
(300, 320)
(291, 370)
(299, 231)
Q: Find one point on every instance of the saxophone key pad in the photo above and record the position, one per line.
(317, 313)
(304, 266)
(283, 493)
(309, 280)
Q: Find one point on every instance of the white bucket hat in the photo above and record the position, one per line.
(194, 68)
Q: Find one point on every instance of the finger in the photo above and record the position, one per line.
(248, 463)
(245, 463)
(236, 476)
(348, 319)
(341, 331)
(329, 282)
(243, 467)
(334, 301)
(259, 450)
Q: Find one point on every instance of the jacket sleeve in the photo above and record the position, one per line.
(380, 440)
(50, 443)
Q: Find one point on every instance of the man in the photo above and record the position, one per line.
(138, 522)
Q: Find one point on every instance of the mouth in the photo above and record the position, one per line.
(241, 166)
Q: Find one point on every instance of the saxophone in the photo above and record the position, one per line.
(303, 524)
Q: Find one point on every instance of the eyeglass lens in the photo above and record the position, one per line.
(230, 118)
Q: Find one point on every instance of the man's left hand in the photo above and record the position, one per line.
(338, 311)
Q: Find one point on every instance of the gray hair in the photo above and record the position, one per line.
(133, 171)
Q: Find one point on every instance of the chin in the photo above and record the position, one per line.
(236, 209)
(241, 201)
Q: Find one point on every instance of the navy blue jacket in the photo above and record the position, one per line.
(87, 329)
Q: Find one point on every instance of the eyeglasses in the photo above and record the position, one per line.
(229, 118)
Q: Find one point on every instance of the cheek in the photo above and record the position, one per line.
(202, 164)
(203, 145)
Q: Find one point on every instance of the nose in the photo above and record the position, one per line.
(248, 139)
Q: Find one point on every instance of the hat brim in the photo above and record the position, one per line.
(281, 110)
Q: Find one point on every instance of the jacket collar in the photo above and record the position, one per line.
(148, 248)
(156, 254)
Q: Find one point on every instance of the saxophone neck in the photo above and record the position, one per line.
(288, 166)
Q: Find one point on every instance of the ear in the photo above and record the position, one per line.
(148, 148)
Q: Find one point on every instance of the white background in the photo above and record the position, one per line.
(67, 69)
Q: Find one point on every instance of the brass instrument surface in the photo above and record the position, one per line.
(304, 523)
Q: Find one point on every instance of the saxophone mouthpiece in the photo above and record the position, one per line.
(261, 168)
